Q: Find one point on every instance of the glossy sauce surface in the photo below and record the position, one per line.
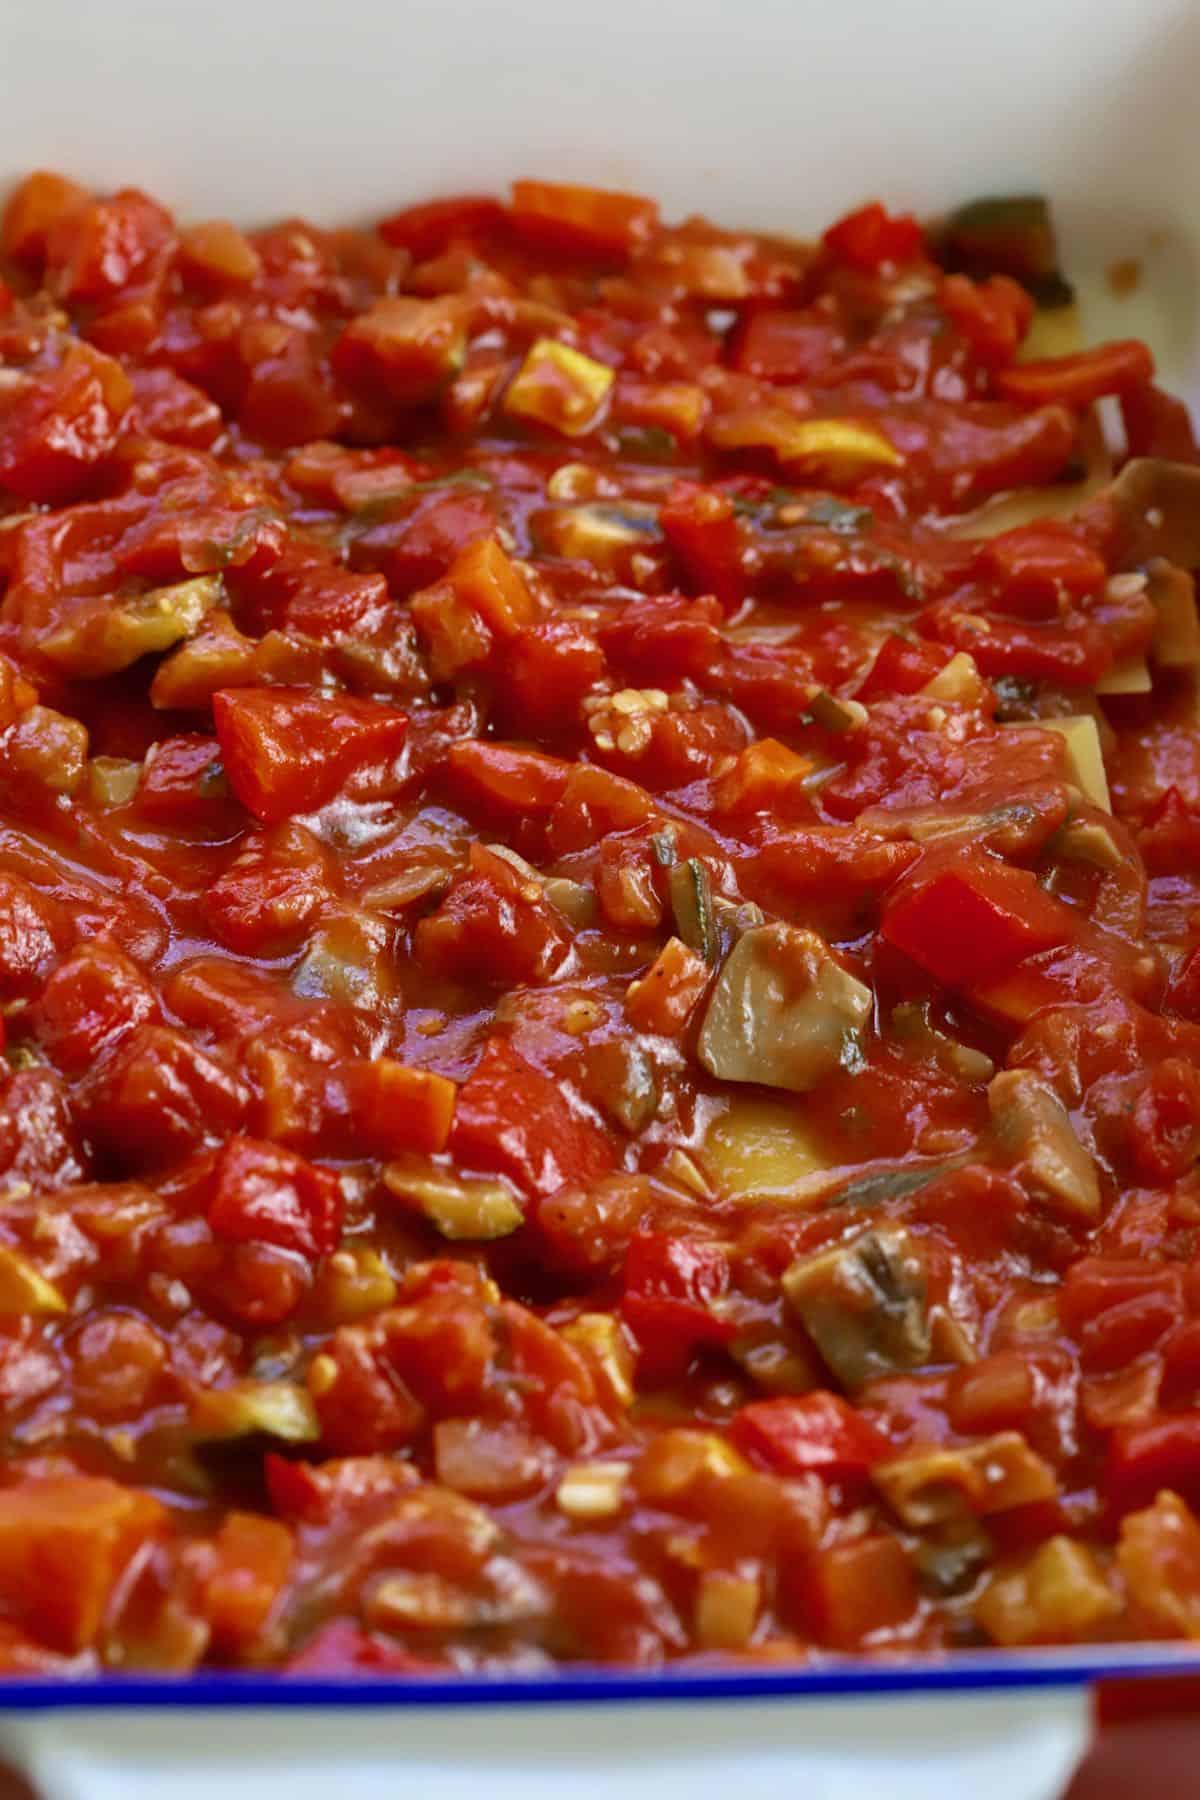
(599, 944)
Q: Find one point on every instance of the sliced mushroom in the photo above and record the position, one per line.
(864, 1306)
(783, 1010)
(1156, 505)
(1032, 1123)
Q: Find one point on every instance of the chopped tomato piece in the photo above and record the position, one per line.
(513, 1119)
(267, 1195)
(587, 220)
(873, 238)
(287, 751)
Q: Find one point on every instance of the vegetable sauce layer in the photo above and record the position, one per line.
(599, 943)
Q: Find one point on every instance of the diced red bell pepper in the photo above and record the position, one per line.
(342, 1648)
(664, 639)
(544, 675)
(486, 929)
(702, 529)
(514, 1120)
(418, 548)
(485, 579)
(595, 803)
(1145, 1458)
(871, 238)
(427, 230)
(264, 902)
(590, 221)
(973, 919)
(265, 1194)
(818, 1433)
(1095, 1285)
(1164, 1133)
(161, 1096)
(288, 751)
(1170, 840)
(170, 408)
(1183, 993)
(852, 1590)
(1157, 424)
(1081, 379)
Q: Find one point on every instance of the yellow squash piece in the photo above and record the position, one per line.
(765, 1150)
(104, 639)
(558, 387)
(457, 1206)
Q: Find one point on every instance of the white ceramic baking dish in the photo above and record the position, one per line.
(774, 113)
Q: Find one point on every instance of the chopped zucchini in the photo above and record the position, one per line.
(278, 1409)
(934, 1484)
(559, 387)
(458, 1206)
(103, 639)
(691, 902)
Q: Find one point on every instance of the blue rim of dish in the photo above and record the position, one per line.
(981, 1672)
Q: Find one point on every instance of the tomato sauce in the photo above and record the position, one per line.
(599, 944)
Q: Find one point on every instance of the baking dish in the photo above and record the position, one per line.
(778, 116)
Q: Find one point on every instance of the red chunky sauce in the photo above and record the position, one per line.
(599, 944)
